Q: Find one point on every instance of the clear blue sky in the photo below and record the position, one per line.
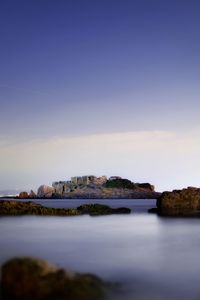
(76, 69)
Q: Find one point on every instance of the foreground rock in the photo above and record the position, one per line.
(185, 202)
(32, 208)
(33, 279)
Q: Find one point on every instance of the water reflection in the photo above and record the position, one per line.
(152, 257)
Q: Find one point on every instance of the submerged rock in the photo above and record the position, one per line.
(185, 202)
(34, 279)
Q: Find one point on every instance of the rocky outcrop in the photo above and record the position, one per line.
(99, 209)
(128, 184)
(146, 187)
(88, 187)
(185, 202)
(92, 187)
(31, 208)
(32, 195)
(45, 191)
(23, 195)
(34, 279)
(94, 192)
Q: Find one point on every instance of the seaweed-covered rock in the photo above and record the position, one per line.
(185, 202)
(99, 209)
(34, 279)
(12, 207)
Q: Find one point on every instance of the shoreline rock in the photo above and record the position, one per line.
(23, 195)
(9, 207)
(109, 194)
(184, 203)
(34, 279)
(45, 191)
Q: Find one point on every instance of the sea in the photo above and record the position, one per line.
(145, 256)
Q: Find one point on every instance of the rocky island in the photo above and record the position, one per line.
(92, 187)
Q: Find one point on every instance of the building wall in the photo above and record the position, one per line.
(62, 187)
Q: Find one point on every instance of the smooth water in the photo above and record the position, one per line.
(151, 257)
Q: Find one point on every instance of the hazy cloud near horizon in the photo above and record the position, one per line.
(165, 158)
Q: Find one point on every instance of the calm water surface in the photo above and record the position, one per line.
(151, 257)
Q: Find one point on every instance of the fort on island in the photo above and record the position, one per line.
(90, 186)
(93, 187)
(62, 187)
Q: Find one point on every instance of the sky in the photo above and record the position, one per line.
(99, 87)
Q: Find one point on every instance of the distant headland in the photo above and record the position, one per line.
(92, 187)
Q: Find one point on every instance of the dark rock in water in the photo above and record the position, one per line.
(32, 208)
(121, 210)
(185, 202)
(34, 279)
(99, 209)
(153, 210)
(23, 195)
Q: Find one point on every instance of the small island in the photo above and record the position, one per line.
(92, 187)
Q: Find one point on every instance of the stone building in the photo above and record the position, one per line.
(62, 187)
